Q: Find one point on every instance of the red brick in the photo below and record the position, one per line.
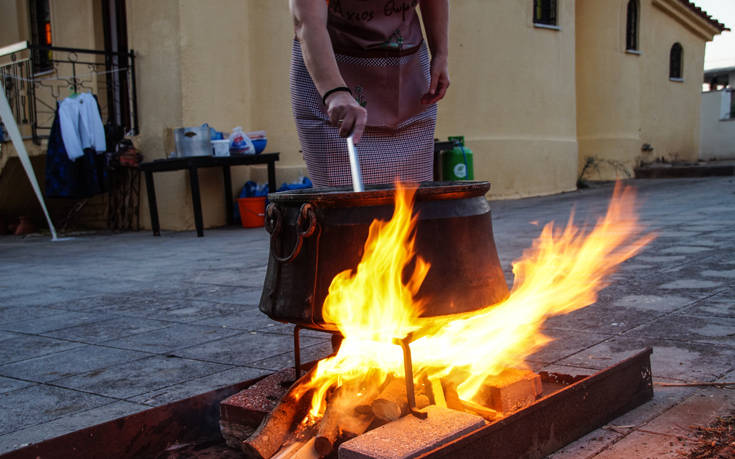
(248, 407)
(510, 391)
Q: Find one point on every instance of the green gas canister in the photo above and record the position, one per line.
(457, 162)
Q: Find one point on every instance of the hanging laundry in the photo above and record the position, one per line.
(75, 175)
(81, 125)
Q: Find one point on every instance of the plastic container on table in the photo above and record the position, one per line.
(221, 147)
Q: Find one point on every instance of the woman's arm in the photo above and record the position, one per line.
(435, 14)
(310, 22)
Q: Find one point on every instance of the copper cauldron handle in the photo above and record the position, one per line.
(305, 227)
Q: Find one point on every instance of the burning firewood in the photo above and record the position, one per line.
(487, 413)
(337, 426)
(299, 450)
(392, 402)
(450, 395)
(437, 393)
(276, 427)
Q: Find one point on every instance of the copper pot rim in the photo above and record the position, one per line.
(379, 194)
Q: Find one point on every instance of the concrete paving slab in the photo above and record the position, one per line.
(286, 359)
(715, 330)
(243, 349)
(247, 318)
(690, 284)
(66, 424)
(720, 305)
(61, 319)
(640, 444)
(725, 274)
(587, 446)
(672, 434)
(678, 360)
(100, 332)
(70, 362)
(657, 303)
(223, 293)
(670, 259)
(41, 403)
(565, 343)
(10, 384)
(45, 296)
(611, 320)
(685, 249)
(9, 314)
(170, 338)
(287, 329)
(23, 347)
(140, 376)
(198, 386)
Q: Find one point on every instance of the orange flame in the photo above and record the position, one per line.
(371, 305)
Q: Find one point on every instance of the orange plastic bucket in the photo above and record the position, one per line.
(252, 211)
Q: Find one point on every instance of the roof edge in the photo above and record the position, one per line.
(704, 15)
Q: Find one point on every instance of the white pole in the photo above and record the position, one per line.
(7, 116)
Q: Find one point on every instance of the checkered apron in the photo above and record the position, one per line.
(404, 152)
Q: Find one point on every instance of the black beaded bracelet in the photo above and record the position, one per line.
(332, 91)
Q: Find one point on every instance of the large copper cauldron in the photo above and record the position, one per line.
(317, 233)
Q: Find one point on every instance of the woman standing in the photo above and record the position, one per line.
(361, 67)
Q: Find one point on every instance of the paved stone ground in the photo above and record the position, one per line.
(102, 326)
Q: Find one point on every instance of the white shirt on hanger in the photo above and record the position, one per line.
(81, 125)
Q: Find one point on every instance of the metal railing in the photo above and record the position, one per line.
(34, 92)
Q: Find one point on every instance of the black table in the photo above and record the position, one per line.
(192, 164)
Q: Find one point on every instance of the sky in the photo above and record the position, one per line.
(720, 52)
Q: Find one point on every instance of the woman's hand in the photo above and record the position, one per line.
(439, 80)
(345, 112)
(435, 14)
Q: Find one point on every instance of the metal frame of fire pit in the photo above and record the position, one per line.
(560, 417)
(581, 404)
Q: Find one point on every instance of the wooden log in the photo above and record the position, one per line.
(487, 413)
(422, 401)
(354, 426)
(328, 429)
(300, 450)
(276, 427)
(392, 402)
(437, 393)
(289, 450)
(451, 396)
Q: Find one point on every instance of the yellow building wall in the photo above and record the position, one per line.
(532, 102)
(608, 88)
(512, 96)
(625, 100)
(13, 22)
(672, 108)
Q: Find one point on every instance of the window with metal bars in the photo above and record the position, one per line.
(544, 12)
(631, 27)
(40, 15)
(675, 61)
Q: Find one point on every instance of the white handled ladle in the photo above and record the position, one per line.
(354, 165)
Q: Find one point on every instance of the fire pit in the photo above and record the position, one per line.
(423, 309)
